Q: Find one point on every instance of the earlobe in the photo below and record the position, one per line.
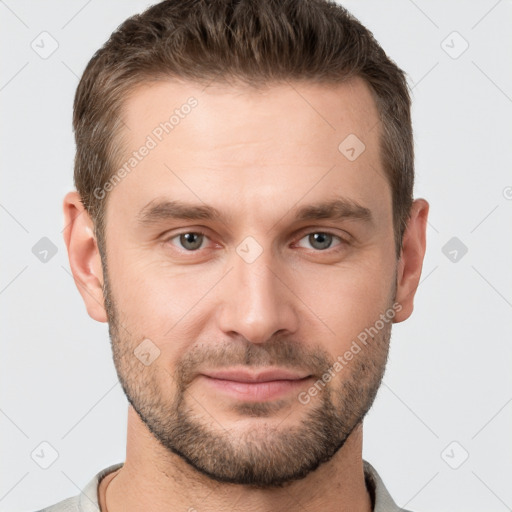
(411, 259)
(84, 256)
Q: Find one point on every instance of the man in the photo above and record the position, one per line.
(275, 138)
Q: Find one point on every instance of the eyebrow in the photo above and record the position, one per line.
(160, 210)
(337, 209)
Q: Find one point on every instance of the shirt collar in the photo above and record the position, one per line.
(381, 499)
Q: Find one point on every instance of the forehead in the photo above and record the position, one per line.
(318, 109)
(277, 143)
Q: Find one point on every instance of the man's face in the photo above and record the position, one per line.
(267, 281)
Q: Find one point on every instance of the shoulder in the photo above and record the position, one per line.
(87, 500)
(67, 505)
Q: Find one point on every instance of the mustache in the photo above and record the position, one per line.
(280, 352)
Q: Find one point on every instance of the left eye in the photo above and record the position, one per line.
(320, 240)
(191, 241)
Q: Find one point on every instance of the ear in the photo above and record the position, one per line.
(84, 256)
(411, 259)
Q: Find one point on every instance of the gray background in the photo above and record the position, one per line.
(447, 391)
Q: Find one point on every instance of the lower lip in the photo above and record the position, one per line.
(256, 391)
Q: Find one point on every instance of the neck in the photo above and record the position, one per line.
(154, 479)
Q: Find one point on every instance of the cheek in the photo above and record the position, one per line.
(345, 300)
(160, 302)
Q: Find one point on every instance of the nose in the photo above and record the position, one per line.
(256, 300)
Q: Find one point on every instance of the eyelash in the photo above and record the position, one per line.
(306, 234)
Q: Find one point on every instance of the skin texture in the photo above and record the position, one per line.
(257, 156)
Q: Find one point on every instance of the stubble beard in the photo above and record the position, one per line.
(269, 454)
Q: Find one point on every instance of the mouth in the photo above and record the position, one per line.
(250, 386)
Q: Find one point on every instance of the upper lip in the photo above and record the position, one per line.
(262, 376)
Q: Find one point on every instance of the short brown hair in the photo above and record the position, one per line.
(251, 41)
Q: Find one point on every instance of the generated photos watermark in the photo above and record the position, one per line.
(363, 337)
(156, 136)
